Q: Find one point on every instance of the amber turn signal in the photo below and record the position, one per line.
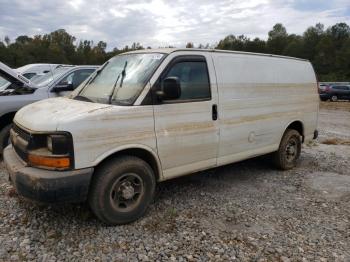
(45, 161)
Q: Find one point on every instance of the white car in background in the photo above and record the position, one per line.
(32, 70)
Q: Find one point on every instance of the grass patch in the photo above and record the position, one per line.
(336, 141)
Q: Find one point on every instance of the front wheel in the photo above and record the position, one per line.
(121, 190)
(289, 150)
(334, 98)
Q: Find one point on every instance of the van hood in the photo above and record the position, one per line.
(12, 75)
(48, 114)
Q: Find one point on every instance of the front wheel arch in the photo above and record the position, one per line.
(143, 153)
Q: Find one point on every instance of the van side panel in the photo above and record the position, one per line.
(259, 96)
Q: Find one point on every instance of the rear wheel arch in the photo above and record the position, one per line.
(296, 125)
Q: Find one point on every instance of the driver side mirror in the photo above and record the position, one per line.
(63, 87)
(170, 89)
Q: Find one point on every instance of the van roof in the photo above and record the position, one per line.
(172, 50)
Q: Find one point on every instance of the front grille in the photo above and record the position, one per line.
(20, 153)
(20, 149)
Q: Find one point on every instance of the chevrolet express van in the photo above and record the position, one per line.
(152, 115)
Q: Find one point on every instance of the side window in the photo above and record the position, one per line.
(341, 88)
(76, 78)
(193, 78)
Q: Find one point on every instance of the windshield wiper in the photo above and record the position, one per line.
(123, 73)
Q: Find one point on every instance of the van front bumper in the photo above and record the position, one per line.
(47, 186)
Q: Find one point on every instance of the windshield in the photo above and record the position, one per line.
(121, 79)
(46, 79)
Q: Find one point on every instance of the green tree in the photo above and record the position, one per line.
(327, 49)
(294, 47)
(278, 39)
(189, 45)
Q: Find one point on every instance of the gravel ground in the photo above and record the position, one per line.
(245, 211)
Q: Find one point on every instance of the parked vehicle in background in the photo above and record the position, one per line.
(31, 70)
(322, 87)
(335, 92)
(19, 91)
(153, 115)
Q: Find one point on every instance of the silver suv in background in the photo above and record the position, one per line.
(17, 91)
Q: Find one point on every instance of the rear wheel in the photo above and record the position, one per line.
(334, 98)
(5, 137)
(289, 150)
(121, 190)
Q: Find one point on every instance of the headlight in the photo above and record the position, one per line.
(58, 144)
(54, 151)
(49, 143)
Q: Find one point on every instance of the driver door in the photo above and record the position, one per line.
(186, 130)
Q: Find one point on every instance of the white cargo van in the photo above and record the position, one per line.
(152, 115)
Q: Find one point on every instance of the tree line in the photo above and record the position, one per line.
(327, 48)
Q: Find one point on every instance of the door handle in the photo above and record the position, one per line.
(215, 112)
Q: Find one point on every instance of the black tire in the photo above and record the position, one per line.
(110, 190)
(5, 137)
(289, 150)
(334, 98)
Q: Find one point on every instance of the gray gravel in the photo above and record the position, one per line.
(246, 212)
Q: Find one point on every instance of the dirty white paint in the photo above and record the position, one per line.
(262, 95)
(258, 96)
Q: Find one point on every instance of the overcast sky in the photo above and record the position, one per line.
(162, 23)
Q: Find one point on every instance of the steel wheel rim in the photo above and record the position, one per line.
(291, 150)
(126, 192)
(334, 98)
